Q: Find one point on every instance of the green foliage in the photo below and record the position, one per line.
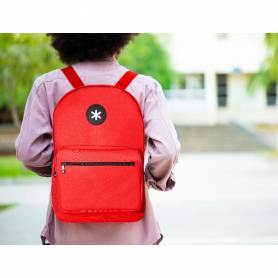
(146, 55)
(269, 69)
(11, 167)
(272, 58)
(260, 79)
(22, 58)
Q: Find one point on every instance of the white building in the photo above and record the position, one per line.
(214, 70)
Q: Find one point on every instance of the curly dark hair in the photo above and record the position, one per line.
(83, 47)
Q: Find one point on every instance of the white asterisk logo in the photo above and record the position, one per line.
(95, 115)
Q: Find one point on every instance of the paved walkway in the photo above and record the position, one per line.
(23, 224)
(219, 198)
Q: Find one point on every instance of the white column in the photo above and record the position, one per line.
(211, 97)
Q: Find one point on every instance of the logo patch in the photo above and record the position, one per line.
(96, 114)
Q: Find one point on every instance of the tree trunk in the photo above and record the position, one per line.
(14, 114)
(12, 103)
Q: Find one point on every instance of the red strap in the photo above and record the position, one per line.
(73, 77)
(125, 80)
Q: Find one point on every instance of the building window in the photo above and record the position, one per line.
(222, 90)
(191, 81)
(189, 86)
(195, 81)
(271, 94)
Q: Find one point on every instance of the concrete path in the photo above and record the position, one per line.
(219, 198)
(23, 223)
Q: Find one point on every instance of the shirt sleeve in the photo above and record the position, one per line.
(34, 147)
(162, 142)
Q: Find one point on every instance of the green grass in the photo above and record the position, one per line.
(272, 154)
(6, 206)
(11, 167)
(275, 154)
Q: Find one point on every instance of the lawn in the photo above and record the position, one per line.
(6, 206)
(272, 154)
(11, 167)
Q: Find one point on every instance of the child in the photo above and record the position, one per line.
(93, 56)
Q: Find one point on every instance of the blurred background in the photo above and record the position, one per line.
(222, 94)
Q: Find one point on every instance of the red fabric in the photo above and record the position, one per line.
(98, 193)
(73, 77)
(125, 80)
(103, 179)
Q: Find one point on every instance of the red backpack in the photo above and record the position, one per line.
(98, 165)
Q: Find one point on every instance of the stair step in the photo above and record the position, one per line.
(218, 138)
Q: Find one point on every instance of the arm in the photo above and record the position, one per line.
(34, 143)
(162, 142)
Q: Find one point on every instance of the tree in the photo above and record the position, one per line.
(268, 72)
(22, 58)
(145, 55)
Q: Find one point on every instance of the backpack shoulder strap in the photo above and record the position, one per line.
(73, 77)
(125, 80)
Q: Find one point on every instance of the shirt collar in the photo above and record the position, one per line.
(105, 64)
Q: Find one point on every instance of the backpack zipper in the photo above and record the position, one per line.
(100, 163)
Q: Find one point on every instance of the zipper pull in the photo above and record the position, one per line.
(63, 168)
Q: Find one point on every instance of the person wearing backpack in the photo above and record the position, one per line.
(88, 126)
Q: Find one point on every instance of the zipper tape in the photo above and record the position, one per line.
(100, 163)
(96, 163)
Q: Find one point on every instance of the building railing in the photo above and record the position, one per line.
(185, 94)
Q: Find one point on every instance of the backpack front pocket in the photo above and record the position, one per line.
(98, 181)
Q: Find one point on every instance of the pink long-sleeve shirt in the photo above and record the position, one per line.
(34, 147)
